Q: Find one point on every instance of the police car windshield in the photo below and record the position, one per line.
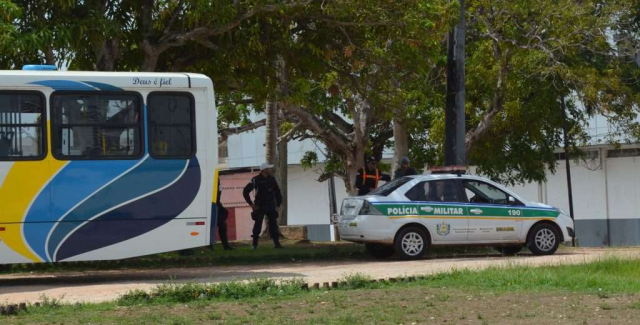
(389, 187)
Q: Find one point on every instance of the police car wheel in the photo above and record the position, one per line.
(509, 250)
(411, 243)
(379, 251)
(543, 240)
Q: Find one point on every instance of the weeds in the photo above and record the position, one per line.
(606, 306)
(181, 293)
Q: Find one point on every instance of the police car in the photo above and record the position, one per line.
(410, 214)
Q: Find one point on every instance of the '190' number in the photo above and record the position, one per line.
(515, 212)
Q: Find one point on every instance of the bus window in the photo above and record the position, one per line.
(96, 126)
(21, 125)
(171, 125)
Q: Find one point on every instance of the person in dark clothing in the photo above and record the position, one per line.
(267, 201)
(223, 213)
(405, 169)
(369, 176)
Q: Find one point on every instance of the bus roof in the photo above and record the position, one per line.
(92, 80)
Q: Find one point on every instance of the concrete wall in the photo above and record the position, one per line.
(606, 198)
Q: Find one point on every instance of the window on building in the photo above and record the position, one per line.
(96, 126)
(171, 125)
(434, 191)
(634, 152)
(22, 126)
(223, 153)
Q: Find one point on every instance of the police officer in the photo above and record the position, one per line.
(268, 199)
(405, 169)
(369, 176)
(223, 213)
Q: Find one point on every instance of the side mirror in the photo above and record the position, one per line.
(512, 201)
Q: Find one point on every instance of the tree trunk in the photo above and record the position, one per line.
(151, 56)
(272, 133)
(282, 178)
(50, 58)
(108, 54)
(400, 141)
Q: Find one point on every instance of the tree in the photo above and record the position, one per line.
(525, 57)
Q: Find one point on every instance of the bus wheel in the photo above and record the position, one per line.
(509, 250)
(543, 239)
(411, 243)
(379, 251)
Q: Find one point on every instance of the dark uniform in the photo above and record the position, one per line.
(367, 180)
(404, 172)
(223, 213)
(268, 197)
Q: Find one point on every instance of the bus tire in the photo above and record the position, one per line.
(379, 251)
(412, 243)
(544, 239)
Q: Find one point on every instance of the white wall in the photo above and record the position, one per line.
(588, 187)
(624, 187)
(309, 199)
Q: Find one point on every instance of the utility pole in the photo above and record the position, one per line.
(568, 165)
(454, 142)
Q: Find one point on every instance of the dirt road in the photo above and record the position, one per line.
(97, 286)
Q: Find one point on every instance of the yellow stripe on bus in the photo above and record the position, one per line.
(20, 187)
(214, 196)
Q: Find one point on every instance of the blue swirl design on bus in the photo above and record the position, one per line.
(135, 218)
(149, 176)
(75, 85)
(75, 182)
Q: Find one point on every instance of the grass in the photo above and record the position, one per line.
(295, 252)
(492, 296)
(241, 255)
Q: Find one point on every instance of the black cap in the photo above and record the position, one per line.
(372, 160)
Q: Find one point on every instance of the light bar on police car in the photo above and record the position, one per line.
(456, 169)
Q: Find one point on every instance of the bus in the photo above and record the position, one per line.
(105, 165)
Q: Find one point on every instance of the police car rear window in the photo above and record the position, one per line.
(388, 188)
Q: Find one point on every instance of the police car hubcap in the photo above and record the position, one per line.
(545, 239)
(412, 244)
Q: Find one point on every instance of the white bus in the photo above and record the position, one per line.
(105, 165)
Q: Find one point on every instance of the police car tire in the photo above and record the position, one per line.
(540, 235)
(410, 234)
(379, 251)
(509, 250)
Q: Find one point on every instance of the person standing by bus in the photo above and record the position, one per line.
(369, 176)
(223, 213)
(267, 201)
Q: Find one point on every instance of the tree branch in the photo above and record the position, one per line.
(338, 121)
(225, 133)
(335, 141)
(237, 102)
(287, 136)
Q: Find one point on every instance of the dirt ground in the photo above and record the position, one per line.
(98, 286)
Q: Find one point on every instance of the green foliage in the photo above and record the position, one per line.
(356, 281)
(390, 55)
(181, 293)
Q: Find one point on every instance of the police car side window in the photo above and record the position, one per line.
(434, 191)
(480, 192)
(417, 193)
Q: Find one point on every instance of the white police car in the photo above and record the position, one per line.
(409, 214)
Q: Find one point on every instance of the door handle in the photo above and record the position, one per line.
(475, 211)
